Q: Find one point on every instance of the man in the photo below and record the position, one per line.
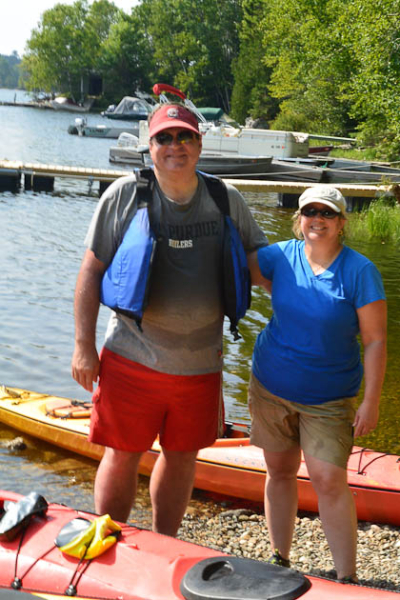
(164, 377)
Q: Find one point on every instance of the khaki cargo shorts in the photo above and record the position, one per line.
(324, 431)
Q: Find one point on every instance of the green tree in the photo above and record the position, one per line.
(9, 70)
(193, 44)
(373, 87)
(250, 95)
(65, 46)
(310, 64)
(126, 62)
(334, 67)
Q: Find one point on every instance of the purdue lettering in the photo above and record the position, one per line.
(198, 230)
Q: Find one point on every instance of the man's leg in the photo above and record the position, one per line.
(281, 498)
(337, 512)
(171, 486)
(116, 483)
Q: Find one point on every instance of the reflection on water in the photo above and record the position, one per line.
(41, 248)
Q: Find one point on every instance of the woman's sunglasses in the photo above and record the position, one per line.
(183, 137)
(313, 212)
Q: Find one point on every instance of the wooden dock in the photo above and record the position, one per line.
(31, 104)
(40, 177)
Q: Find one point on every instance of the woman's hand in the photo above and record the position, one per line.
(366, 418)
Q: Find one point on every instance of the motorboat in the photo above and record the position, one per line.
(82, 128)
(342, 170)
(282, 170)
(62, 103)
(131, 108)
(223, 137)
(128, 150)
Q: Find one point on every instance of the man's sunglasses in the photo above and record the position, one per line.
(326, 213)
(183, 137)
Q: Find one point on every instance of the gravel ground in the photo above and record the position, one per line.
(242, 532)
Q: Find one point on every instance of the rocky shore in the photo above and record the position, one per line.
(242, 532)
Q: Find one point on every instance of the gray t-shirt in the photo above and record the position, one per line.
(182, 325)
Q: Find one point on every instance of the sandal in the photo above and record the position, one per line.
(277, 559)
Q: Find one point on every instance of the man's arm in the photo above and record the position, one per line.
(250, 232)
(256, 277)
(85, 359)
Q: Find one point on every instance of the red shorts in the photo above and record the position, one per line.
(133, 404)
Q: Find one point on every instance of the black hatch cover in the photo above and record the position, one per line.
(234, 578)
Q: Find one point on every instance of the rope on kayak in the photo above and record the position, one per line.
(361, 471)
(17, 582)
(73, 587)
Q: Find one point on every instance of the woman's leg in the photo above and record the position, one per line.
(281, 497)
(337, 512)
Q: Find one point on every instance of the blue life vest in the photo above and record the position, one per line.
(126, 282)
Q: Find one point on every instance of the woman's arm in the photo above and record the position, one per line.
(256, 277)
(373, 323)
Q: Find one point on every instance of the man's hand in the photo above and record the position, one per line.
(85, 365)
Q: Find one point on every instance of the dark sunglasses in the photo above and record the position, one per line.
(183, 137)
(326, 213)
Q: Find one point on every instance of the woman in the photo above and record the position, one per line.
(307, 371)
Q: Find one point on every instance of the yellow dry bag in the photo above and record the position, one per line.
(91, 538)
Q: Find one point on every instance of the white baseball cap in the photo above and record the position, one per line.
(324, 194)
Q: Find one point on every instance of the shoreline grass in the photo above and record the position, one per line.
(380, 221)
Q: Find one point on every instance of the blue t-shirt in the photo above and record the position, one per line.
(309, 352)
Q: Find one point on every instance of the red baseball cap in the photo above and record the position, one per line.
(172, 115)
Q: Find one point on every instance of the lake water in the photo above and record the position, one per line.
(41, 249)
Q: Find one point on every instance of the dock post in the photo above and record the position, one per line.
(288, 200)
(38, 183)
(357, 203)
(103, 185)
(10, 179)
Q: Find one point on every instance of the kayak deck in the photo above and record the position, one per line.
(144, 565)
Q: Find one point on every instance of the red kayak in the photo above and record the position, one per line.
(140, 565)
(234, 467)
(231, 466)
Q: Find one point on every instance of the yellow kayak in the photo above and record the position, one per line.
(231, 466)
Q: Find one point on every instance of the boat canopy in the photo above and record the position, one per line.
(211, 114)
(130, 107)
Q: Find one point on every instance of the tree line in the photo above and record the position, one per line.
(324, 66)
(9, 71)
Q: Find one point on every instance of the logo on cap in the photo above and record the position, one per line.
(172, 113)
